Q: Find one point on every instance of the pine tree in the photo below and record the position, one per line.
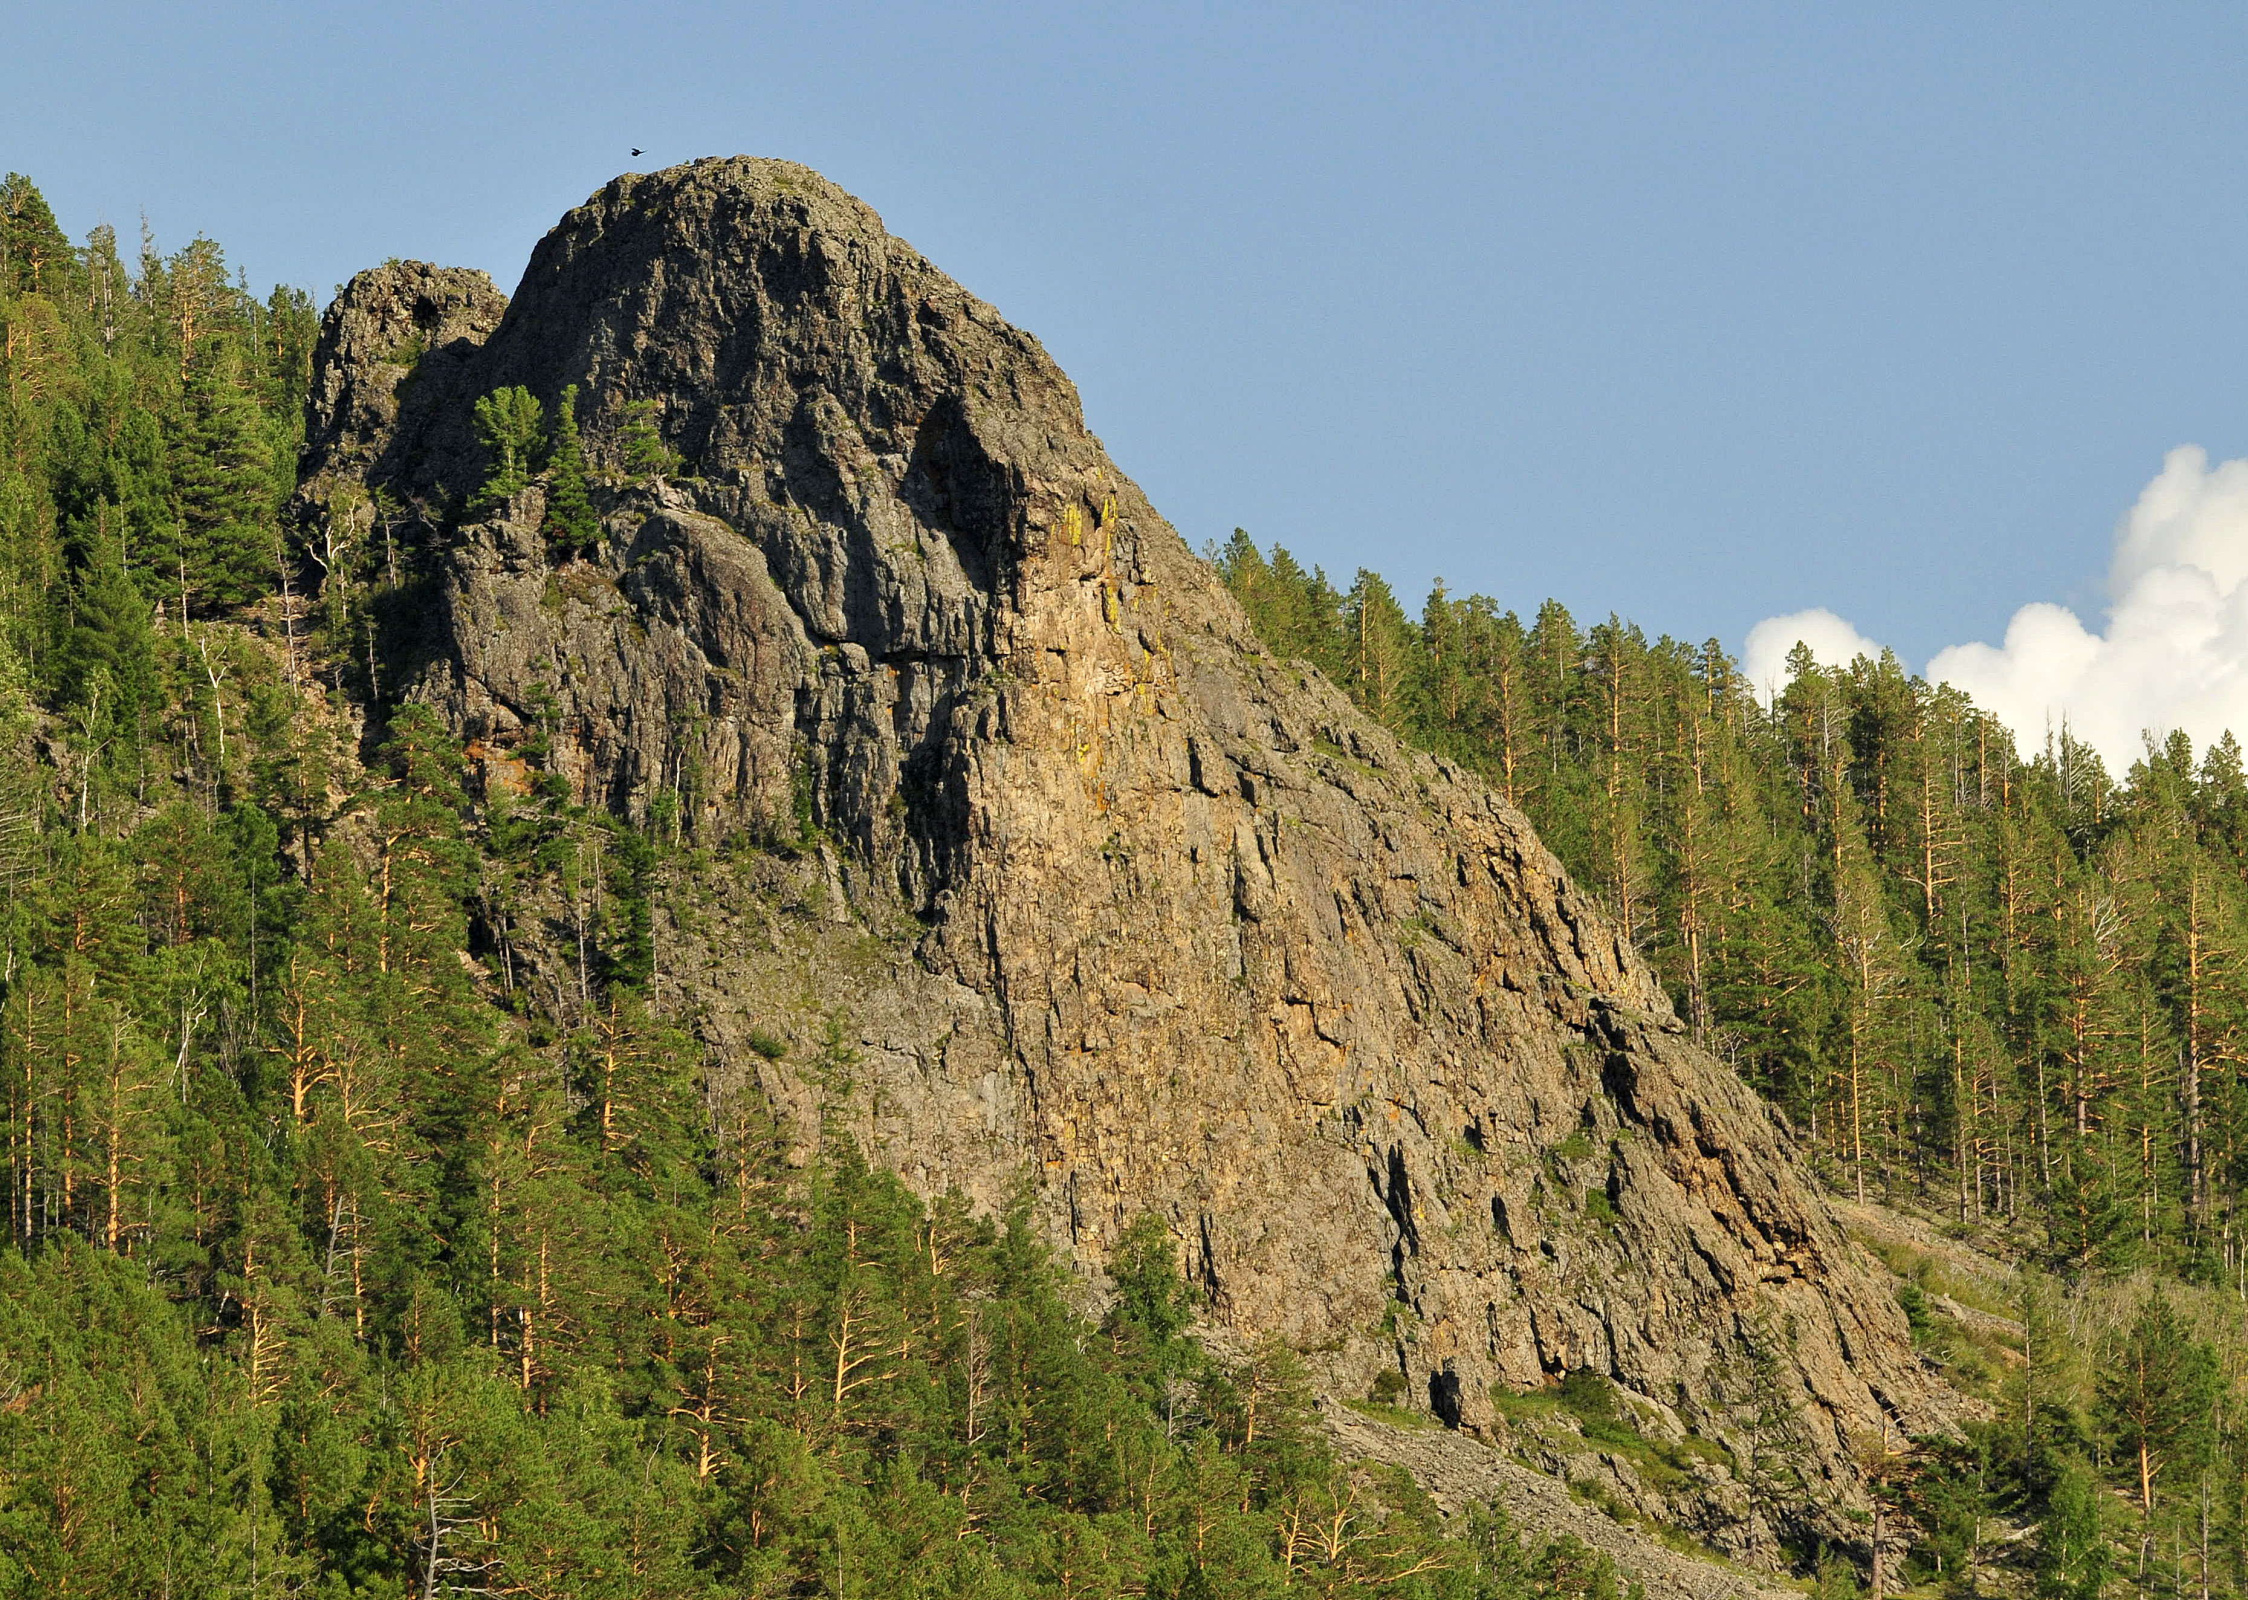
(224, 494)
(1498, 650)
(645, 453)
(1379, 649)
(104, 661)
(2072, 1548)
(510, 423)
(1249, 576)
(1619, 668)
(1311, 613)
(2156, 1403)
(35, 257)
(572, 528)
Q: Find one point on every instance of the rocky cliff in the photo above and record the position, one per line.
(1113, 899)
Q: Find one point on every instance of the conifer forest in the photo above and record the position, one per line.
(340, 1263)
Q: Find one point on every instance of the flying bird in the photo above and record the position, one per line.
(636, 150)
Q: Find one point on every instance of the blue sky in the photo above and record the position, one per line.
(1694, 313)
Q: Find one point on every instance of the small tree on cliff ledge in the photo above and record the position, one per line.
(645, 453)
(510, 424)
(571, 525)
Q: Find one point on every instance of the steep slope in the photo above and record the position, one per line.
(1460, 1473)
(1157, 921)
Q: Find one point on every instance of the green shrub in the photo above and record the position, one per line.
(1589, 1395)
(1914, 1300)
(645, 453)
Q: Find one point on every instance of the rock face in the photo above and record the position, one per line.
(404, 321)
(1161, 922)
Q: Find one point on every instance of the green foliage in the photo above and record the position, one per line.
(1152, 1310)
(1913, 1301)
(1590, 1396)
(372, 1288)
(150, 420)
(511, 425)
(2156, 1400)
(629, 950)
(224, 484)
(2072, 1551)
(645, 453)
(105, 659)
(572, 526)
(35, 257)
(1834, 1578)
(1574, 1148)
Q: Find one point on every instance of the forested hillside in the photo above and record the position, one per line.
(1999, 989)
(343, 1259)
(338, 1264)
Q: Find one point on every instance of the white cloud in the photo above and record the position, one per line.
(1833, 642)
(2175, 651)
(2190, 516)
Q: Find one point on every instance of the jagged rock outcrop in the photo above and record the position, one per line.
(1162, 922)
(406, 320)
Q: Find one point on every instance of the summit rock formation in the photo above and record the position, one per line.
(1103, 897)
